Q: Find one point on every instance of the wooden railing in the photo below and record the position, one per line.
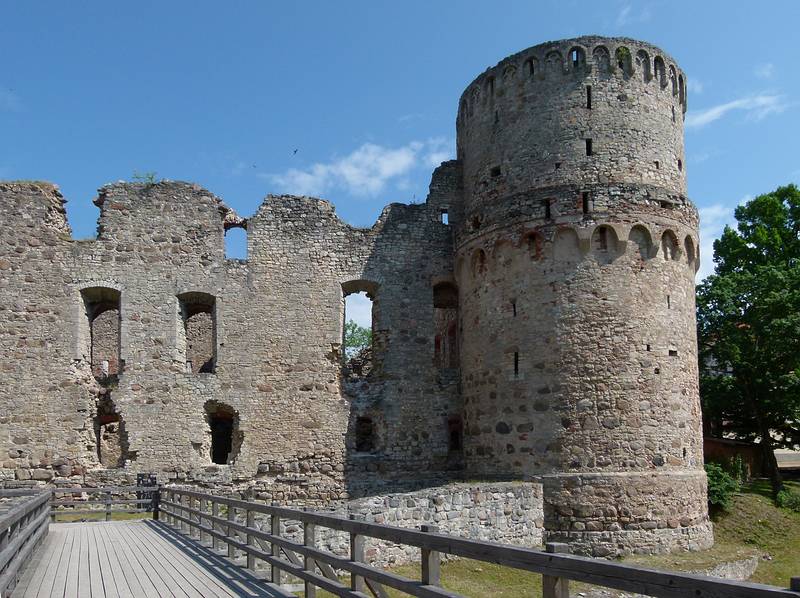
(134, 499)
(22, 529)
(199, 515)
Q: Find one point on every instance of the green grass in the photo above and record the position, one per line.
(754, 526)
(67, 517)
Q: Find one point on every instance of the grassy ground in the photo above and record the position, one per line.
(69, 518)
(753, 526)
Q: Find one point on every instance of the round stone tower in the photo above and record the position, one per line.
(576, 256)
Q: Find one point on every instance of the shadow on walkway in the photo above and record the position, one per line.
(236, 579)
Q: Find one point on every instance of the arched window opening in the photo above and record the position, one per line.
(660, 71)
(577, 58)
(553, 62)
(640, 243)
(111, 436)
(226, 439)
(101, 334)
(236, 243)
(688, 244)
(490, 86)
(530, 67)
(197, 338)
(643, 65)
(624, 62)
(365, 435)
(445, 324)
(358, 334)
(669, 246)
(681, 90)
(602, 59)
(673, 80)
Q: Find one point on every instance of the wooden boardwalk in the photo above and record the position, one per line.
(132, 559)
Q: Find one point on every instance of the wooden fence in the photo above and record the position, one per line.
(133, 499)
(22, 528)
(199, 515)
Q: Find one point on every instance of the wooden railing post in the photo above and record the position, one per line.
(309, 539)
(214, 513)
(203, 507)
(431, 561)
(555, 587)
(194, 531)
(108, 506)
(275, 550)
(230, 533)
(357, 582)
(184, 503)
(251, 541)
(52, 506)
(156, 504)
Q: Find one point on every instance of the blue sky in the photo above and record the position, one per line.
(223, 94)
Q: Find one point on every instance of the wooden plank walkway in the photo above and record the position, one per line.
(132, 559)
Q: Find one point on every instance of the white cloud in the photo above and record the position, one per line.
(756, 107)
(365, 171)
(9, 101)
(694, 86)
(713, 219)
(764, 71)
(359, 309)
(626, 16)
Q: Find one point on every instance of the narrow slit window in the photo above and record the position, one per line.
(547, 212)
(516, 364)
(585, 202)
(490, 85)
(648, 347)
(673, 114)
(589, 97)
(680, 165)
(514, 309)
(588, 147)
(669, 302)
(657, 164)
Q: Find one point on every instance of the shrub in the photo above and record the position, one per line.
(721, 486)
(788, 499)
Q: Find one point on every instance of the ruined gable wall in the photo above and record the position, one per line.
(278, 341)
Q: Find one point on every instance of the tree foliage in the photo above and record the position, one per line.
(748, 315)
(356, 338)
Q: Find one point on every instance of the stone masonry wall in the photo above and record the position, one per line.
(533, 321)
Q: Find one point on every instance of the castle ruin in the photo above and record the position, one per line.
(533, 371)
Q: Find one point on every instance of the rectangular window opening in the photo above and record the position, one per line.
(516, 364)
(585, 202)
(558, 165)
(673, 353)
(658, 164)
(588, 147)
(589, 97)
(443, 217)
(495, 172)
(547, 213)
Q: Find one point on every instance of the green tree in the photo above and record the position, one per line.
(356, 338)
(748, 316)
